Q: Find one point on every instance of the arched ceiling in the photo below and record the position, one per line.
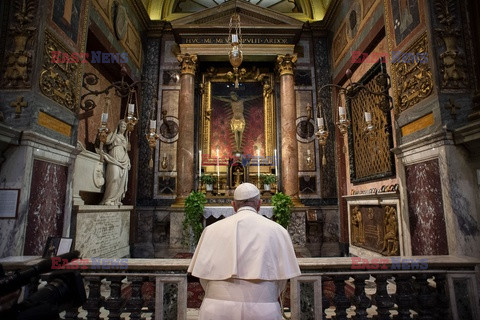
(303, 10)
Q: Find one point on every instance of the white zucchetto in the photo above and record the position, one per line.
(245, 191)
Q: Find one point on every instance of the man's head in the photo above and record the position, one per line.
(245, 195)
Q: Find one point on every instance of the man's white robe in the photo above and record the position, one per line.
(243, 263)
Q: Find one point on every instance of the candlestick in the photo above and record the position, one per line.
(104, 117)
(199, 163)
(131, 107)
(320, 122)
(218, 171)
(258, 165)
(368, 116)
(276, 166)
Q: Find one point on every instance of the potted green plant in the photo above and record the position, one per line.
(282, 207)
(193, 221)
(208, 180)
(267, 180)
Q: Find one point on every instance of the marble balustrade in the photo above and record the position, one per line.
(418, 287)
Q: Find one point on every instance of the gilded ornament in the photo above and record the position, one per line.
(18, 105)
(414, 80)
(188, 63)
(286, 64)
(58, 80)
(452, 59)
(18, 60)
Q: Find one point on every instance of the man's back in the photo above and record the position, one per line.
(243, 263)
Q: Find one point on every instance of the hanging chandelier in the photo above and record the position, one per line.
(235, 55)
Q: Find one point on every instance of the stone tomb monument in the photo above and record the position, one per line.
(98, 230)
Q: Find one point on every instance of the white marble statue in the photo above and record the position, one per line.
(118, 165)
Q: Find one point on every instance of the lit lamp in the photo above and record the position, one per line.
(369, 127)
(103, 130)
(235, 55)
(322, 135)
(151, 135)
(152, 138)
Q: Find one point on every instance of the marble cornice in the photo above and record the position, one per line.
(467, 133)
(9, 135)
(436, 139)
(34, 139)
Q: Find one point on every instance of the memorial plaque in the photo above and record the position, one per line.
(102, 233)
(54, 124)
(375, 228)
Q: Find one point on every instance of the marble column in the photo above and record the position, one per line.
(289, 156)
(185, 143)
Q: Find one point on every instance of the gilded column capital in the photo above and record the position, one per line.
(188, 62)
(286, 63)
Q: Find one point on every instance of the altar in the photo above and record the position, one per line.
(219, 211)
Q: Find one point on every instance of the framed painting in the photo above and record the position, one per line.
(237, 120)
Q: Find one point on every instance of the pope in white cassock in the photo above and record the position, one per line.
(243, 263)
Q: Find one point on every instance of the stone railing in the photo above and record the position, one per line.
(424, 287)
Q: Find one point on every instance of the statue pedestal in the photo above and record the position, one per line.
(102, 231)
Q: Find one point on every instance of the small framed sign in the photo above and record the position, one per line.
(56, 246)
(9, 199)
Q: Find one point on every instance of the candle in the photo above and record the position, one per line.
(275, 158)
(104, 117)
(218, 167)
(368, 116)
(320, 122)
(308, 152)
(131, 107)
(258, 164)
(341, 111)
(153, 124)
(199, 163)
(234, 38)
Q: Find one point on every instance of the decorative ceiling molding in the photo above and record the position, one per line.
(302, 10)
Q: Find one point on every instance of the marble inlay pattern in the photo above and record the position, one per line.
(297, 228)
(328, 187)
(47, 205)
(425, 207)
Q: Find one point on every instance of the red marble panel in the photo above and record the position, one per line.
(46, 206)
(425, 208)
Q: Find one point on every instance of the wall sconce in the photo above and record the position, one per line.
(152, 138)
(103, 130)
(351, 91)
(152, 135)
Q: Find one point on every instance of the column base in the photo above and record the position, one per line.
(297, 203)
(179, 203)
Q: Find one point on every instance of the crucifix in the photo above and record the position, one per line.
(18, 105)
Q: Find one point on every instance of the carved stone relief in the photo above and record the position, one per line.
(413, 79)
(19, 53)
(58, 80)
